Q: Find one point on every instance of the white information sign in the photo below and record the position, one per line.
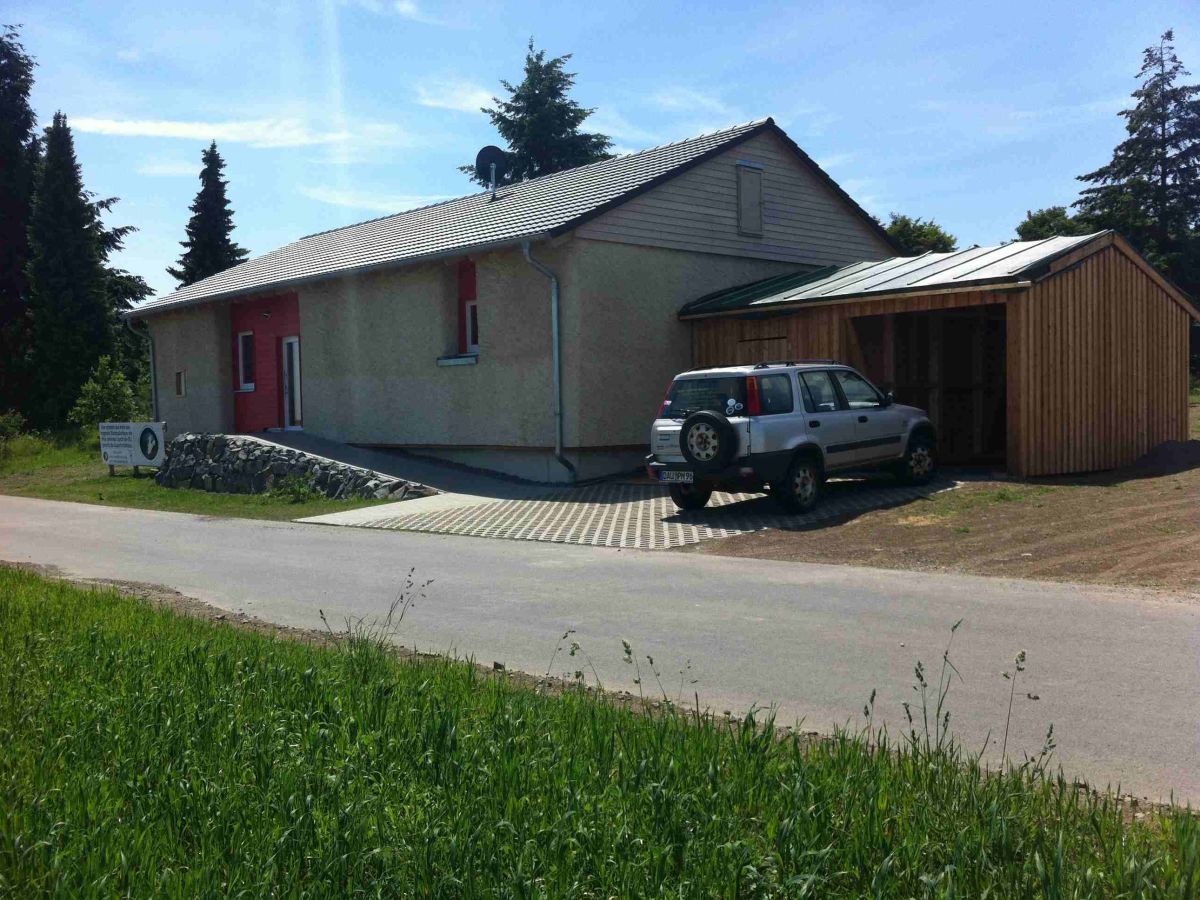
(131, 443)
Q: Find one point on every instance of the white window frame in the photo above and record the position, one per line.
(471, 312)
(244, 385)
(181, 383)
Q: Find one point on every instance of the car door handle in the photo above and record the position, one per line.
(862, 418)
(815, 423)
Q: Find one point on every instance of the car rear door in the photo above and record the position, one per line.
(828, 421)
(879, 429)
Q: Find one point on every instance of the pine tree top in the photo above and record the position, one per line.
(209, 247)
(540, 122)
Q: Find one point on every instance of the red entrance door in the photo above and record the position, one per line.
(259, 328)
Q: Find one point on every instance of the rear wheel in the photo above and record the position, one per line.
(690, 496)
(919, 463)
(800, 490)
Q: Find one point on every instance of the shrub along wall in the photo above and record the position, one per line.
(244, 465)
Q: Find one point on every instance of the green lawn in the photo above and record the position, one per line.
(145, 754)
(64, 467)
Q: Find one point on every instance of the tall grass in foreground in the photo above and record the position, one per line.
(145, 754)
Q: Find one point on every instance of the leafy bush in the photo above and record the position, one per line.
(294, 489)
(106, 397)
(12, 423)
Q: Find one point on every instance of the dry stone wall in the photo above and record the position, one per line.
(230, 464)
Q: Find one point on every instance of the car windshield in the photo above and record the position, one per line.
(688, 395)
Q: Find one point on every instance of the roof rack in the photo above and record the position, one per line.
(797, 362)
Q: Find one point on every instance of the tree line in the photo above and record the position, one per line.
(61, 295)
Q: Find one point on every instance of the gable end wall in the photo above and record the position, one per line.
(804, 220)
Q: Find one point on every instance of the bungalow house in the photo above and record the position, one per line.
(530, 333)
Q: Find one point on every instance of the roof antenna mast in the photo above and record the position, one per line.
(490, 165)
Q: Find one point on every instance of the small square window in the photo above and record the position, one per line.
(180, 384)
(246, 360)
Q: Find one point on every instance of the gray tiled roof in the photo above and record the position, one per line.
(977, 266)
(531, 209)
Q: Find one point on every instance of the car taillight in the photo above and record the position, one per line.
(753, 404)
(662, 410)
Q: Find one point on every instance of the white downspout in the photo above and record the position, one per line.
(149, 338)
(556, 352)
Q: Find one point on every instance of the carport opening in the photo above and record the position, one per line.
(950, 362)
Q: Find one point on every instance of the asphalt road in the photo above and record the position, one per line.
(1117, 671)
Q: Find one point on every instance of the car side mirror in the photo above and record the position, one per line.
(888, 399)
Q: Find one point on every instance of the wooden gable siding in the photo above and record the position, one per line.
(816, 333)
(1097, 368)
(804, 221)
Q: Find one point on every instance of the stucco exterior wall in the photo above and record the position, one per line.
(197, 342)
(623, 341)
(370, 347)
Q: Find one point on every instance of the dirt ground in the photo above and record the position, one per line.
(1136, 526)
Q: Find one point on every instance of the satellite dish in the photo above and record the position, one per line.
(490, 163)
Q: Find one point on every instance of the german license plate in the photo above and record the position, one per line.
(685, 477)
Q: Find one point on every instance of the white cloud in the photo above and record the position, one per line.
(130, 54)
(283, 132)
(607, 120)
(169, 168)
(406, 9)
(453, 93)
(372, 200)
(682, 99)
(835, 160)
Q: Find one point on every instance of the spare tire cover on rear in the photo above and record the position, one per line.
(707, 440)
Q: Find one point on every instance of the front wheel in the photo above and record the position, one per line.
(690, 496)
(801, 487)
(919, 462)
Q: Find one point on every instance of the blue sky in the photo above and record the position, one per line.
(334, 111)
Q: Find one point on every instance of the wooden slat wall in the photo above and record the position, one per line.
(817, 333)
(1098, 369)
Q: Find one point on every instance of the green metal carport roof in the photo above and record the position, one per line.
(1013, 265)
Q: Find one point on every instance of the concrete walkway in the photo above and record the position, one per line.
(457, 486)
(1115, 671)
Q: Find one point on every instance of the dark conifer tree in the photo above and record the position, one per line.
(540, 122)
(209, 247)
(72, 321)
(1150, 190)
(18, 162)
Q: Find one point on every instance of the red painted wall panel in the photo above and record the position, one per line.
(270, 319)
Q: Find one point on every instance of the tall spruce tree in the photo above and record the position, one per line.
(209, 247)
(540, 122)
(72, 321)
(1150, 190)
(18, 161)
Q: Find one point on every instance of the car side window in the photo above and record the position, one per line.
(775, 394)
(858, 391)
(819, 394)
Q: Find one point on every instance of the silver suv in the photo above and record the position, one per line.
(783, 426)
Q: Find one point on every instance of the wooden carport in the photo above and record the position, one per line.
(1057, 356)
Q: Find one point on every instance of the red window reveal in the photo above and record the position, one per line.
(468, 309)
